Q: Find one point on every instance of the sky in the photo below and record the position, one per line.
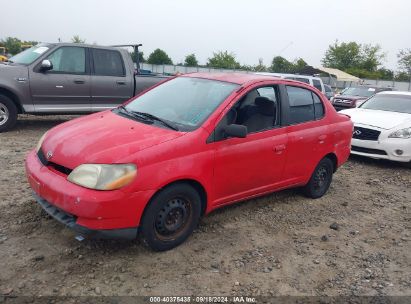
(251, 29)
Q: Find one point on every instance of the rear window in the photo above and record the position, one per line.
(108, 63)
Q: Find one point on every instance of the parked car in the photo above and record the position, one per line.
(352, 97)
(316, 82)
(329, 93)
(184, 148)
(382, 127)
(67, 78)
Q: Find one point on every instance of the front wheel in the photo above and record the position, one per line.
(170, 217)
(320, 179)
(8, 113)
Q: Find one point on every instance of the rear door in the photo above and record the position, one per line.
(110, 84)
(307, 132)
(66, 87)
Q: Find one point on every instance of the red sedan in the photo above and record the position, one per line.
(190, 145)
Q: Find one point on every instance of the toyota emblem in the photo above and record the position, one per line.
(49, 155)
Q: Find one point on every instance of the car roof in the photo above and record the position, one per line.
(394, 93)
(288, 75)
(238, 78)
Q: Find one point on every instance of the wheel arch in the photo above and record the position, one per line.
(334, 159)
(193, 183)
(14, 98)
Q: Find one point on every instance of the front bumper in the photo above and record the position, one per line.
(383, 149)
(70, 221)
(92, 212)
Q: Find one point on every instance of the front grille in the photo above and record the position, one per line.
(343, 101)
(368, 150)
(365, 134)
(57, 167)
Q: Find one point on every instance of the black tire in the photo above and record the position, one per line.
(170, 217)
(8, 113)
(320, 179)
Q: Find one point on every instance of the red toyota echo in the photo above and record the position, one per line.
(153, 166)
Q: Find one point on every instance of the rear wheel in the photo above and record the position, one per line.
(8, 113)
(170, 217)
(320, 179)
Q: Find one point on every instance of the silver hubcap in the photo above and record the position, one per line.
(4, 114)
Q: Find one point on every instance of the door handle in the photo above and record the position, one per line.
(79, 81)
(120, 82)
(279, 149)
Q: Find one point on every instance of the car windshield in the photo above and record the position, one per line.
(392, 103)
(184, 102)
(359, 91)
(29, 55)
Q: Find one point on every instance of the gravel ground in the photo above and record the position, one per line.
(354, 241)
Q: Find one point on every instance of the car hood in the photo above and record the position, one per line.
(381, 119)
(13, 70)
(102, 138)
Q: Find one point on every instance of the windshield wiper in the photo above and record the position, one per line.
(148, 117)
(153, 117)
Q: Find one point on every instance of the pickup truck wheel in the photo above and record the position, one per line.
(170, 217)
(320, 179)
(8, 113)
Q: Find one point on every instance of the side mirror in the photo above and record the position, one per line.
(46, 65)
(236, 131)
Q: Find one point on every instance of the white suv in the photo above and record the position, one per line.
(316, 82)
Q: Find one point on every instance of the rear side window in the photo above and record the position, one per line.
(108, 63)
(304, 105)
(317, 84)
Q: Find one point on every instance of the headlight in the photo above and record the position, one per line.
(40, 142)
(403, 133)
(103, 177)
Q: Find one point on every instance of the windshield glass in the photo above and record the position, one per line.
(29, 55)
(184, 101)
(359, 91)
(392, 103)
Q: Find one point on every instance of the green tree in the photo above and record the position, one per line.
(260, 67)
(281, 65)
(404, 60)
(402, 76)
(12, 44)
(223, 60)
(353, 56)
(191, 60)
(158, 56)
(300, 64)
(370, 57)
(77, 39)
(140, 56)
(342, 56)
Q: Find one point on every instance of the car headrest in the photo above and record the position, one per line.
(265, 106)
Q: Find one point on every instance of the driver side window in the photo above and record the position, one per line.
(69, 59)
(258, 110)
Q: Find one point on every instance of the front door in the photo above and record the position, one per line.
(247, 166)
(66, 87)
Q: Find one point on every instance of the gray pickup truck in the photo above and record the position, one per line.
(67, 78)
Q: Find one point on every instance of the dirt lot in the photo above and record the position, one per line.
(280, 244)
